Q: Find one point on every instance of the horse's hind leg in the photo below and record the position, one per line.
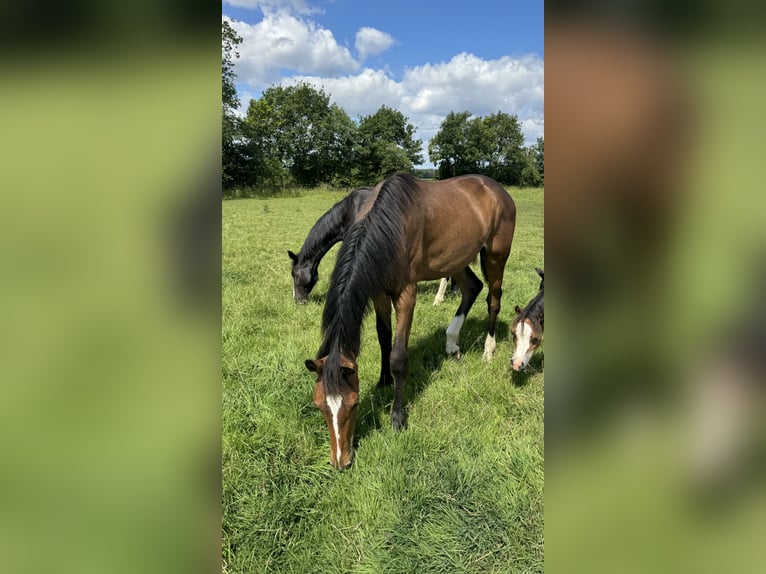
(493, 266)
(442, 291)
(470, 287)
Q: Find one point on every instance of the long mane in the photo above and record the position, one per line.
(332, 226)
(369, 262)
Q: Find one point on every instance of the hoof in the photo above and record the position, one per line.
(456, 356)
(399, 421)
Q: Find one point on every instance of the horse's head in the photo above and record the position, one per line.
(338, 407)
(305, 277)
(527, 334)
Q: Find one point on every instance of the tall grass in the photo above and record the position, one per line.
(460, 490)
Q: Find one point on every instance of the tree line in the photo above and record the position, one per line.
(293, 136)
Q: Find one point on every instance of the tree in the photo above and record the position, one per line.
(233, 160)
(229, 42)
(456, 148)
(296, 136)
(539, 154)
(530, 175)
(493, 145)
(385, 145)
(504, 147)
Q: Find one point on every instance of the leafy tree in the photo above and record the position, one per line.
(504, 147)
(530, 176)
(296, 136)
(233, 158)
(229, 42)
(385, 145)
(493, 145)
(453, 148)
(539, 153)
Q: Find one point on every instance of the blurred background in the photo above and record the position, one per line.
(656, 257)
(109, 297)
(110, 290)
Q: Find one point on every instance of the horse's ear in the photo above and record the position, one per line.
(292, 256)
(347, 367)
(313, 366)
(540, 272)
(517, 309)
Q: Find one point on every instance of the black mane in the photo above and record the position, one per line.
(369, 262)
(534, 309)
(332, 226)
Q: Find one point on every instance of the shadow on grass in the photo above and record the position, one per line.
(426, 356)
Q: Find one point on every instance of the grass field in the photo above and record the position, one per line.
(460, 490)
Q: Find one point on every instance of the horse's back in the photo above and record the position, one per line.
(459, 217)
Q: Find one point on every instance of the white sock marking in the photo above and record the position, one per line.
(334, 402)
(489, 347)
(453, 333)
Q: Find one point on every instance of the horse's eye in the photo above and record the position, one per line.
(356, 404)
(535, 340)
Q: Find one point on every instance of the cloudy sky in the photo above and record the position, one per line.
(423, 57)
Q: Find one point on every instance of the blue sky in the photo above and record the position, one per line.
(424, 58)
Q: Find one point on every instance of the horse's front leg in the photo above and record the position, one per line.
(382, 305)
(405, 308)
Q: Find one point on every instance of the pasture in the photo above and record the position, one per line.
(460, 490)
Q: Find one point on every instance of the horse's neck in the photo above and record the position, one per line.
(326, 232)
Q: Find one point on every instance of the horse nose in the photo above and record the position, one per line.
(347, 465)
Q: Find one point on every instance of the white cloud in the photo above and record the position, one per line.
(361, 94)
(512, 85)
(282, 41)
(371, 41)
(426, 94)
(296, 6)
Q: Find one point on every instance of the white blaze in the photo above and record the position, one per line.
(453, 333)
(523, 351)
(334, 402)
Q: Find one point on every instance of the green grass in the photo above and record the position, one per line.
(460, 490)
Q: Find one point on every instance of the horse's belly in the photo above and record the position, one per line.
(444, 262)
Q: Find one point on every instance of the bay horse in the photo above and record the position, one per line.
(527, 327)
(326, 232)
(409, 230)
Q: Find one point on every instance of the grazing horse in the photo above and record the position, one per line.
(527, 328)
(327, 231)
(409, 230)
